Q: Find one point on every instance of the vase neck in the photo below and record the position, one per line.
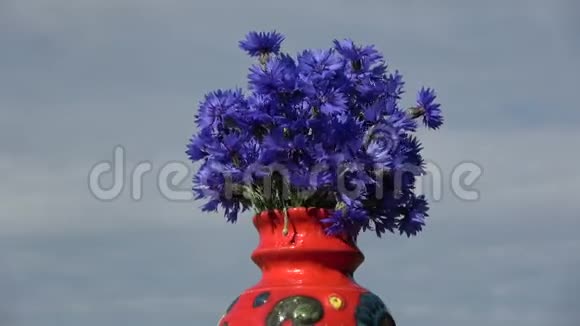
(306, 252)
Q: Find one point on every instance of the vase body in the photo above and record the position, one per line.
(307, 278)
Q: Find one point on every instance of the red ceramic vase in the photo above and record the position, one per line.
(307, 278)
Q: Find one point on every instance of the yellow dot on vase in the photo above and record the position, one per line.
(335, 301)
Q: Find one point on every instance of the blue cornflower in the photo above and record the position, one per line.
(345, 220)
(369, 89)
(410, 148)
(431, 111)
(337, 222)
(231, 210)
(401, 122)
(383, 135)
(414, 215)
(276, 140)
(332, 102)
(262, 43)
(345, 137)
(394, 85)
(261, 103)
(322, 177)
(217, 105)
(349, 216)
(364, 72)
(197, 146)
(352, 52)
(277, 77)
(375, 111)
(209, 180)
(319, 64)
(378, 152)
(381, 226)
(392, 105)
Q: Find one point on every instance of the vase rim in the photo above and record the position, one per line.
(295, 213)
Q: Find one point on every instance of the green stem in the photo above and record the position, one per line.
(415, 112)
(263, 59)
(285, 227)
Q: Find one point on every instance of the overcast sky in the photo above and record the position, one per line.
(78, 78)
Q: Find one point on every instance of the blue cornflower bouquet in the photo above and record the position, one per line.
(321, 130)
